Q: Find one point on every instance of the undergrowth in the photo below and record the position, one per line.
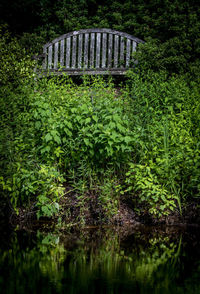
(141, 144)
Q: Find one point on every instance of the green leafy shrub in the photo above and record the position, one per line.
(147, 188)
(81, 123)
(165, 121)
(61, 127)
(15, 63)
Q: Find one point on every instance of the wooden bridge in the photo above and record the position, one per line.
(90, 51)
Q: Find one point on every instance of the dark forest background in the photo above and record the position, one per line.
(171, 28)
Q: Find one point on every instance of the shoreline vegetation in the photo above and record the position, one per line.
(93, 150)
(125, 217)
(91, 154)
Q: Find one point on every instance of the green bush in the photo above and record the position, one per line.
(85, 123)
(165, 121)
(15, 63)
(143, 142)
(63, 126)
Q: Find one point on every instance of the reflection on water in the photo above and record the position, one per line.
(101, 261)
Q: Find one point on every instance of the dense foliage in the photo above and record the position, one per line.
(142, 143)
(171, 28)
(139, 142)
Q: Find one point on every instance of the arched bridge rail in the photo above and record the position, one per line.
(90, 51)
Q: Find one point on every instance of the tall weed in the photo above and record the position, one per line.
(165, 120)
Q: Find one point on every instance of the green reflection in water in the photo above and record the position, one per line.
(97, 262)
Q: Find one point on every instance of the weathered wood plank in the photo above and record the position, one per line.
(98, 48)
(44, 64)
(74, 51)
(134, 46)
(92, 42)
(50, 57)
(104, 50)
(88, 31)
(122, 52)
(76, 71)
(128, 52)
(110, 47)
(62, 50)
(68, 52)
(86, 47)
(116, 51)
(80, 50)
(55, 63)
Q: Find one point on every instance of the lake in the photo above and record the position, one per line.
(100, 260)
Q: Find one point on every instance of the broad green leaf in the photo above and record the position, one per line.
(48, 137)
(54, 133)
(95, 118)
(88, 120)
(87, 142)
(57, 139)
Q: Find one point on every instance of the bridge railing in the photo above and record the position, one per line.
(93, 51)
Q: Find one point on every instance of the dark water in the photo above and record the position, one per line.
(142, 260)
